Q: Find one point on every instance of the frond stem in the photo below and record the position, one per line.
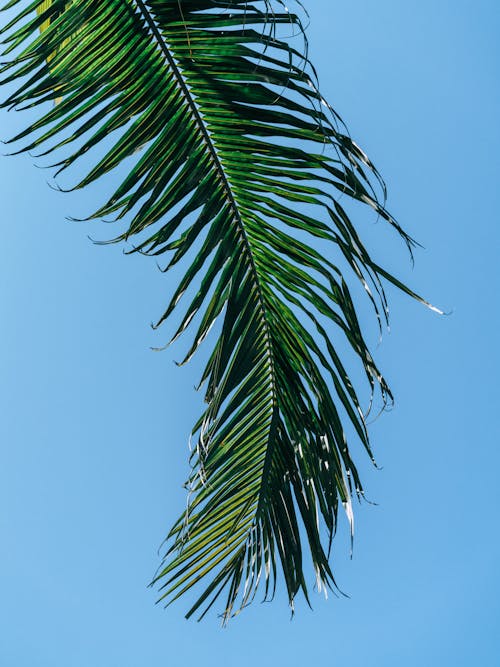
(226, 185)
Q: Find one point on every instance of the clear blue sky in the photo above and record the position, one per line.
(94, 425)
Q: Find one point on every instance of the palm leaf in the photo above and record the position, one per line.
(235, 161)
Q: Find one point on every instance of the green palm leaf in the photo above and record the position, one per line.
(236, 161)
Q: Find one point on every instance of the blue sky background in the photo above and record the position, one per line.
(94, 425)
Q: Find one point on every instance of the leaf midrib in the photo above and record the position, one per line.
(226, 185)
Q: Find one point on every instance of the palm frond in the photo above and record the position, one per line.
(235, 160)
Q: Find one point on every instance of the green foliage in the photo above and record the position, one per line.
(234, 160)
